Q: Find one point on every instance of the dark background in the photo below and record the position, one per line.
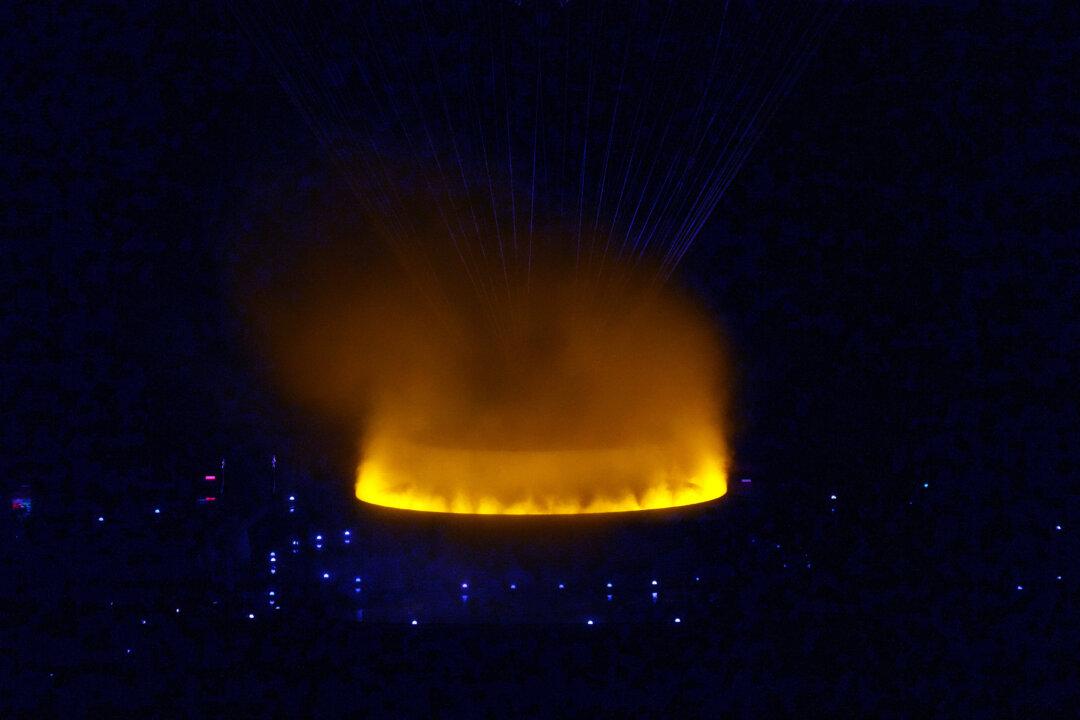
(896, 266)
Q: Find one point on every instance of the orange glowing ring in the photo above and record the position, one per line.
(412, 476)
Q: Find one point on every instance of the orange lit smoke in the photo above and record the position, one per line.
(555, 391)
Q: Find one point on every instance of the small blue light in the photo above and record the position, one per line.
(177, 611)
(414, 622)
(561, 586)
(357, 579)
(655, 596)
(1019, 587)
(348, 533)
(326, 576)
(292, 509)
(142, 622)
(588, 622)
(513, 586)
(157, 511)
(926, 485)
(273, 559)
(832, 497)
(101, 518)
(1058, 528)
(356, 590)
(318, 537)
(464, 598)
(609, 597)
(678, 620)
(273, 570)
(697, 579)
(251, 616)
(609, 585)
(292, 498)
(464, 586)
(271, 593)
(655, 583)
(128, 651)
(1059, 577)
(296, 543)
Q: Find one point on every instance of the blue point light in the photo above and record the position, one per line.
(588, 622)
(464, 586)
(609, 584)
(357, 579)
(513, 586)
(655, 583)
(326, 576)
(414, 622)
(101, 518)
(157, 511)
(561, 586)
(292, 498)
(678, 620)
(251, 616)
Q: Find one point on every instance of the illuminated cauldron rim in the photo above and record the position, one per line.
(580, 481)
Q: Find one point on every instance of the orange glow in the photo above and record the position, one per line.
(566, 395)
(534, 482)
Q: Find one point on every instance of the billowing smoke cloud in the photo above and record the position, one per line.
(556, 387)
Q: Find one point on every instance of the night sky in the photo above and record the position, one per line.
(895, 266)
